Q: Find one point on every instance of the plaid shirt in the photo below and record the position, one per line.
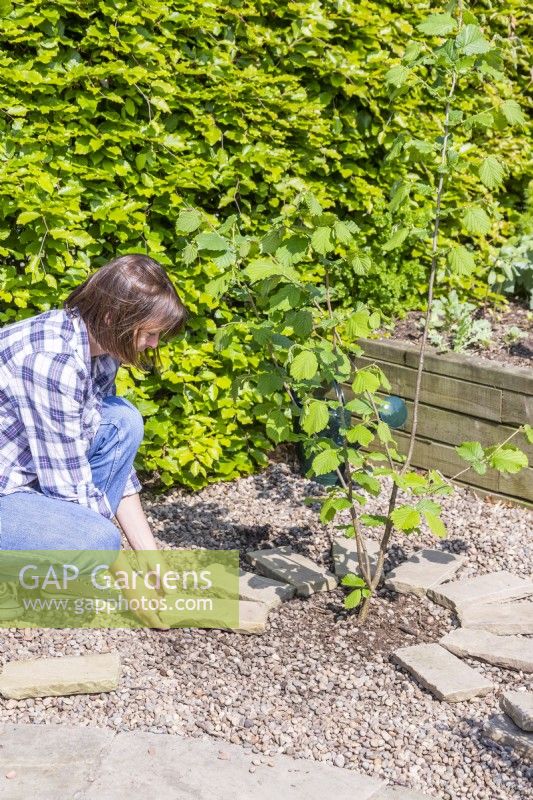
(51, 392)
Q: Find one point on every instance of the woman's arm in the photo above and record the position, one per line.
(132, 520)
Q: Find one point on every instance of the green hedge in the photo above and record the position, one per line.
(116, 114)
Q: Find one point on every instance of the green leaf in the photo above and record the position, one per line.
(313, 206)
(262, 268)
(435, 524)
(460, 260)
(528, 433)
(188, 221)
(512, 112)
(321, 240)
(304, 366)
(357, 324)
(342, 233)
(428, 505)
(367, 482)
(406, 518)
(326, 461)
(315, 416)
(437, 25)
(353, 581)
(400, 193)
(471, 451)
(384, 433)
(301, 322)
(471, 41)
(211, 241)
(278, 427)
(292, 250)
(373, 520)
(353, 599)
(397, 238)
(269, 382)
(396, 76)
(360, 264)
(476, 221)
(365, 381)
(359, 406)
(27, 216)
(189, 253)
(491, 172)
(359, 434)
(508, 459)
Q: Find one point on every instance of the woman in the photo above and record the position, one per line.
(67, 442)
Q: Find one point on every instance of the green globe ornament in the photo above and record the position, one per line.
(393, 411)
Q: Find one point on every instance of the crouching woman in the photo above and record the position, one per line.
(67, 441)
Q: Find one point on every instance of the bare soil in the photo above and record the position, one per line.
(519, 354)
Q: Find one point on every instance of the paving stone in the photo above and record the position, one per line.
(281, 563)
(519, 706)
(512, 652)
(51, 677)
(345, 558)
(399, 793)
(424, 570)
(487, 588)
(252, 617)
(442, 673)
(263, 590)
(503, 731)
(499, 618)
(52, 761)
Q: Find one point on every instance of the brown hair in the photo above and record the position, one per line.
(124, 295)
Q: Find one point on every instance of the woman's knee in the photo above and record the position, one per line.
(126, 417)
(105, 535)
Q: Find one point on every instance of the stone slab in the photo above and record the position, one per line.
(53, 761)
(503, 731)
(263, 590)
(489, 588)
(51, 677)
(442, 673)
(345, 558)
(519, 706)
(498, 618)
(283, 564)
(253, 617)
(511, 652)
(424, 570)
(400, 793)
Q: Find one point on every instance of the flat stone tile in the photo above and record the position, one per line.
(499, 618)
(253, 617)
(424, 570)
(282, 564)
(345, 558)
(503, 731)
(442, 673)
(51, 677)
(519, 706)
(263, 590)
(174, 768)
(480, 589)
(400, 793)
(50, 761)
(511, 652)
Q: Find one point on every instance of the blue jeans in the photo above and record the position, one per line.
(33, 521)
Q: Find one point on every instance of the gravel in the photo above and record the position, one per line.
(315, 685)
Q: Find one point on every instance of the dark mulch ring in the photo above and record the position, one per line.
(519, 353)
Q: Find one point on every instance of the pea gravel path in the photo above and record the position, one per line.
(314, 685)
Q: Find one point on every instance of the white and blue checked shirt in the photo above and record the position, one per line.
(51, 392)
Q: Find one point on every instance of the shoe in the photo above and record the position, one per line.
(10, 607)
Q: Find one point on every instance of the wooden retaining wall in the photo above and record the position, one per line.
(463, 399)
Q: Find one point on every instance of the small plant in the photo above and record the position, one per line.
(513, 335)
(513, 269)
(452, 326)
